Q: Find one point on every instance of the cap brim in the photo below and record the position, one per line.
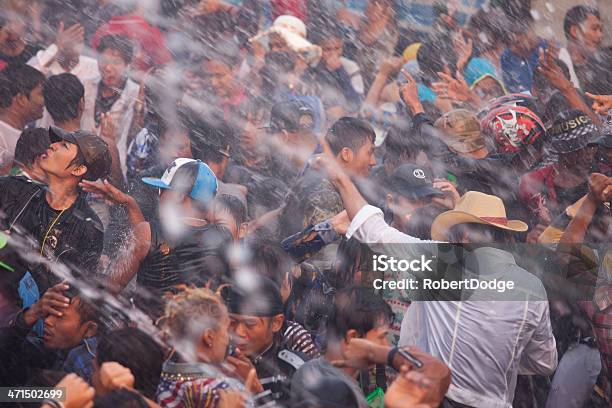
(445, 221)
(57, 135)
(419, 192)
(155, 182)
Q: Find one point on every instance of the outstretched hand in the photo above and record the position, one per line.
(601, 103)
(105, 190)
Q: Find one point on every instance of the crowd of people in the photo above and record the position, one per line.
(192, 194)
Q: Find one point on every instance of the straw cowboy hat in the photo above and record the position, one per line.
(475, 207)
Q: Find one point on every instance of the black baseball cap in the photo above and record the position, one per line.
(291, 116)
(413, 182)
(94, 150)
(572, 130)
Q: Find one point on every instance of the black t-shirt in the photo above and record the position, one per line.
(28, 52)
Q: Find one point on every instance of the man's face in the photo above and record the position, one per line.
(224, 218)
(56, 160)
(112, 68)
(488, 88)
(331, 50)
(175, 143)
(276, 43)
(403, 208)
(579, 162)
(66, 332)
(363, 160)
(523, 43)
(251, 334)
(12, 33)
(379, 335)
(591, 32)
(36, 104)
(219, 78)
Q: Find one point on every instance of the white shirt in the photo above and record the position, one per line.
(87, 72)
(567, 59)
(8, 140)
(485, 343)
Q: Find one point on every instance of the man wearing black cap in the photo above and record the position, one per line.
(412, 187)
(547, 191)
(291, 124)
(256, 320)
(63, 226)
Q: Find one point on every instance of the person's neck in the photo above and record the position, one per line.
(333, 353)
(217, 169)
(62, 193)
(70, 126)
(10, 117)
(577, 52)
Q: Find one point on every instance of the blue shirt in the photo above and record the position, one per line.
(517, 71)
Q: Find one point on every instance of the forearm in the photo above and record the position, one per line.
(134, 213)
(116, 175)
(351, 197)
(576, 230)
(575, 101)
(376, 89)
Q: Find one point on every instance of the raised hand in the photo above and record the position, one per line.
(105, 190)
(53, 302)
(77, 392)
(68, 38)
(601, 103)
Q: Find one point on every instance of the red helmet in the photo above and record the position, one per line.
(512, 127)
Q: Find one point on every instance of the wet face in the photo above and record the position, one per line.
(56, 160)
(579, 162)
(277, 43)
(362, 160)
(224, 218)
(35, 104)
(66, 332)
(175, 143)
(219, 78)
(590, 32)
(251, 133)
(522, 43)
(403, 208)
(488, 88)
(379, 335)
(253, 334)
(12, 33)
(113, 69)
(331, 50)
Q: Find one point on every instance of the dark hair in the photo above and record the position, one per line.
(31, 143)
(18, 79)
(63, 94)
(434, 54)
(490, 233)
(232, 205)
(225, 51)
(270, 260)
(208, 136)
(330, 31)
(86, 308)
(118, 43)
(401, 142)
(136, 350)
(576, 15)
(487, 24)
(357, 308)
(349, 132)
(120, 398)
(346, 264)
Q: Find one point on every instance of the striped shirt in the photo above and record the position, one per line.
(297, 338)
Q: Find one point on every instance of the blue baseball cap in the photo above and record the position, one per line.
(205, 183)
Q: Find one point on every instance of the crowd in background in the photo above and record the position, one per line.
(192, 193)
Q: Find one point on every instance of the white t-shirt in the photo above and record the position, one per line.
(8, 140)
